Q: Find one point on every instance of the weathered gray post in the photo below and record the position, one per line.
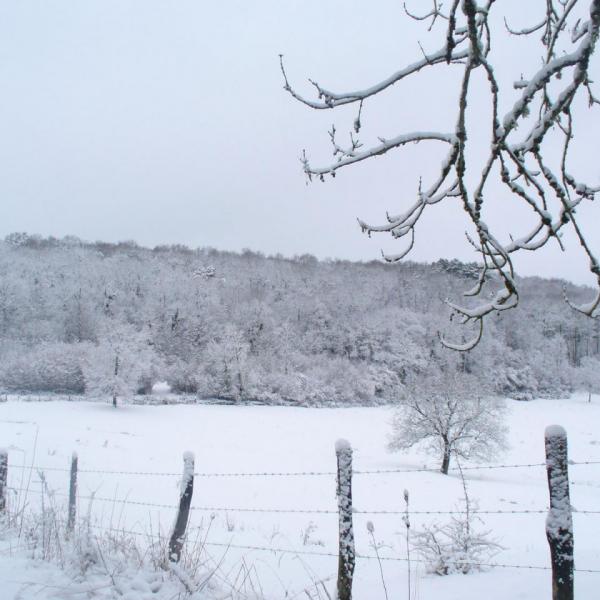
(72, 494)
(559, 522)
(185, 500)
(3, 478)
(347, 554)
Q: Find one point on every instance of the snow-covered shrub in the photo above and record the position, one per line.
(47, 367)
(184, 377)
(587, 376)
(551, 368)
(515, 379)
(458, 546)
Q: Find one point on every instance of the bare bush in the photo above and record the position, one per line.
(458, 546)
(454, 547)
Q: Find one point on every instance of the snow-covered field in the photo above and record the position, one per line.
(279, 439)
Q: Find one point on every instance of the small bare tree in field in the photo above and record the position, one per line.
(529, 144)
(459, 545)
(448, 415)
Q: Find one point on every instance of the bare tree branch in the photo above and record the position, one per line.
(569, 38)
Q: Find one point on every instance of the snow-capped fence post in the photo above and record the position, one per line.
(72, 493)
(559, 522)
(185, 500)
(347, 554)
(3, 478)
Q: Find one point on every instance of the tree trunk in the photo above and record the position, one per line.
(240, 393)
(446, 458)
(116, 374)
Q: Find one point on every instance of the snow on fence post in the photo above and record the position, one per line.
(3, 478)
(347, 554)
(559, 522)
(185, 500)
(72, 493)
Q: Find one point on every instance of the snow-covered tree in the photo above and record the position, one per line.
(115, 366)
(449, 415)
(530, 114)
(226, 359)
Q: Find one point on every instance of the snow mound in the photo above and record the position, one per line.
(161, 388)
(342, 445)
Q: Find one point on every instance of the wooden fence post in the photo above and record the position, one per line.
(72, 494)
(3, 478)
(559, 522)
(347, 554)
(185, 500)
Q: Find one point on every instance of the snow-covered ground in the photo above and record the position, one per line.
(259, 439)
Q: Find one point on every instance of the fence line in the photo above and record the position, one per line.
(292, 551)
(321, 553)
(300, 473)
(560, 511)
(310, 511)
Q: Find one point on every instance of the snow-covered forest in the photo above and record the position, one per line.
(246, 327)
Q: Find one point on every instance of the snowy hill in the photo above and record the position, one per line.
(246, 327)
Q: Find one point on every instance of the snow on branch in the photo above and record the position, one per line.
(569, 34)
(329, 99)
(350, 157)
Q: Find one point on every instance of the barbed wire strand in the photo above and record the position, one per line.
(309, 511)
(296, 473)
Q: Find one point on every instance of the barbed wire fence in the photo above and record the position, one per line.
(184, 507)
(301, 511)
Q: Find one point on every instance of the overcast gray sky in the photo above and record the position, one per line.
(166, 122)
